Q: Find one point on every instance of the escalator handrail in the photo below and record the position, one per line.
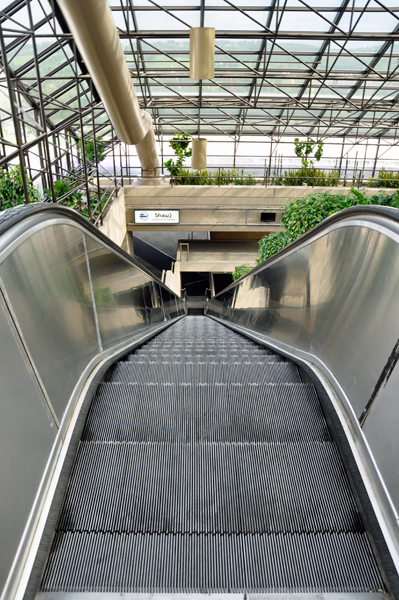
(13, 216)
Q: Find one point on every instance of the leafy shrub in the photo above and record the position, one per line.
(272, 243)
(90, 151)
(305, 213)
(205, 177)
(74, 199)
(245, 180)
(187, 177)
(311, 176)
(63, 187)
(12, 188)
(241, 270)
(385, 179)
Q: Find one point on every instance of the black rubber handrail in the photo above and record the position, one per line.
(13, 216)
(354, 211)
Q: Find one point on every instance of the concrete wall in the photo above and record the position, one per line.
(212, 208)
(173, 281)
(114, 223)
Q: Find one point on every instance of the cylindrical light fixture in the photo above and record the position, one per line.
(198, 157)
(202, 52)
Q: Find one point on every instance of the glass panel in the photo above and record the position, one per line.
(118, 294)
(48, 285)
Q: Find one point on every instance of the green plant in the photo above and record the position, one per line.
(12, 188)
(187, 177)
(272, 243)
(311, 176)
(220, 177)
(385, 179)
(63, 187)
(305, 213)
(241, 270)
(304, 150)
(245, 180)
(179, 145)
(90, 150)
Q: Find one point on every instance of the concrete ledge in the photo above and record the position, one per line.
(213, 208)
(114, 223)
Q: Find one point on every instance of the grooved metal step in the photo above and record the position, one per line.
(206, 466)
(209, 488)
(266, 371)
(286, 412)
(171, 563)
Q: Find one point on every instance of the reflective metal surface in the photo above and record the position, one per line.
(27, 434)
(71, 299)
(333, 301)
(47, 283)
(118, 294)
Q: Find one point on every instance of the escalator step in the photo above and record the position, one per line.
(226, 412)
(298, 563)
(268, 371)
(205, 488)
(209, 357)
(206, 465)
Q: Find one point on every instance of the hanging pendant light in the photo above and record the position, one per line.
(202, 52)
(198, 157)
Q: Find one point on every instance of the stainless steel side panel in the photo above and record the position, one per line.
(67, 302)
(27, 434)
(47, 284)
(118, 293)
(381, 431)
(335, 302)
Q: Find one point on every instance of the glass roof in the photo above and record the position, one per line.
(325, 68)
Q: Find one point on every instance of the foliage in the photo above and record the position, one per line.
(311, 176)
(187, 177)
(75, 199)
(385, 179)
(304, 150)
(90, 151)
(63, 187)
(272, 243)
(179, 145)
(305, 213)
(241, 270)
(12, 188)
(245, 180)
(222, 177)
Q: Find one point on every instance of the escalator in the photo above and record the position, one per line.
(206, 465)
(249, 450)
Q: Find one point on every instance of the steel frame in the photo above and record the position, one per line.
(327, 88)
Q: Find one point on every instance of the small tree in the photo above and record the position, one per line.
(304, 150)
(179, 145)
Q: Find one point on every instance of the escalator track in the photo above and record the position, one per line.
(206, 465)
